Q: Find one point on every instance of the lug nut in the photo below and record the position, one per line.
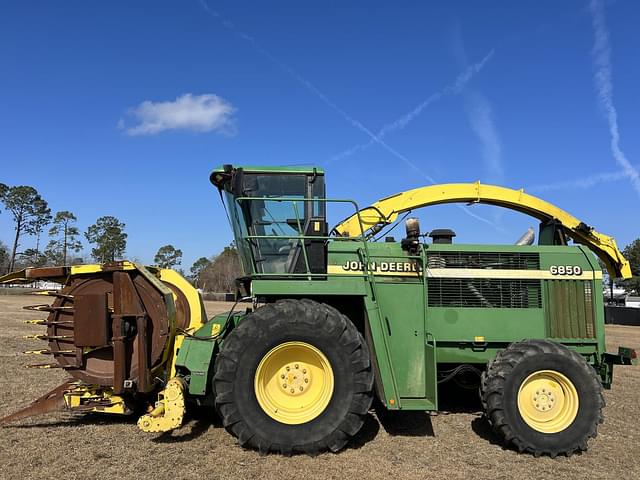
(304, 370)
(284, 385)
(306, 380)
(282, 376)
(301, 388)
(292, 390)
(296, 366)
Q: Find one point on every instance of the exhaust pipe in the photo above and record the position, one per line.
(527, 238)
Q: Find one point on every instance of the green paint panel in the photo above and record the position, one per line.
(196, 355)
(495, 324)
(303, 287)
(403, 312)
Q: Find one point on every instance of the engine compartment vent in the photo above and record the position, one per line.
(488, 260)
(484, 293)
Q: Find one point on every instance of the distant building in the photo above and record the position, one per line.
(632, 302)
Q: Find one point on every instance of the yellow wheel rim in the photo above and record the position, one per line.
(548, 401)
(294, 383)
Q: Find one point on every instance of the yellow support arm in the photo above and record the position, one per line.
(386, 211)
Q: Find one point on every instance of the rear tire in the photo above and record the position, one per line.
(269, 349)
(542, 398)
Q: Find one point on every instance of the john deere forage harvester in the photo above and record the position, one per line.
(336, 318)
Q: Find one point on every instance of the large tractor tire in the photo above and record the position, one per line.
(542, 398)
(294, 377)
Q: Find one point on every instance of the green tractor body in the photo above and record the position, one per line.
(426, 311)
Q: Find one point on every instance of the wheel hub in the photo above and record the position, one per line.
(296, 377)
(544, 399)
(548, 401)
(294, 383)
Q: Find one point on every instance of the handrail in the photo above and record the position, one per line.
(301, 236)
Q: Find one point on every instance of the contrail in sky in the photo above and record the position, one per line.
(327, 101)
(604, 86)
(408, 117)
(583, 182)
(480, 113)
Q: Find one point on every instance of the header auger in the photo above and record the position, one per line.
(336, 319)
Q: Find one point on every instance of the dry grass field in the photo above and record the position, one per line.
(452, 445)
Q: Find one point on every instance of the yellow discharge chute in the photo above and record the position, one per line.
(386, 211)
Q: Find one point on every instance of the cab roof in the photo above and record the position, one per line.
(275, 169)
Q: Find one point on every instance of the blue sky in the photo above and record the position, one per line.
(123, 108)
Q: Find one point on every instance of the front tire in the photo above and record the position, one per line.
(542, 398)
(294, 377)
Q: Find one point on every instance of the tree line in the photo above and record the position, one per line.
(213, 274)
(33, 218)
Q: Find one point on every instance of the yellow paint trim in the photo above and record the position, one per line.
(473, 273)
(81, 396)
(506, 274)
(169, 410)
(387, 211)
(196, 308)
(294, 383)
(97, 268)
(548, 401)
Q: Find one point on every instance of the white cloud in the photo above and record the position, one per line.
(198, 113)
(604, 86)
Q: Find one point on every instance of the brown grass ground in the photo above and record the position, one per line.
(398, 445)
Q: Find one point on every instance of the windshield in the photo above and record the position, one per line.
(278, 223)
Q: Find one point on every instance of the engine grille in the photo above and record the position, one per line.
(484, 293)
(570, 309)
(489, 260)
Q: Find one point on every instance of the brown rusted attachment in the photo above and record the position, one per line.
(56, 274)
(128, 313)
(124, 355)
(91, 320)
(50, 402)
(47, 272)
